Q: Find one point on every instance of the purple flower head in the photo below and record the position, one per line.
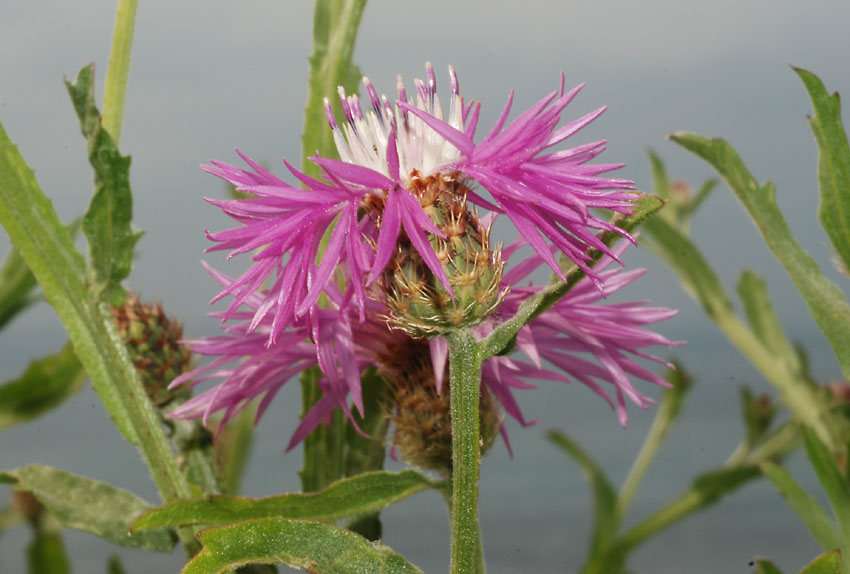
(396, 158)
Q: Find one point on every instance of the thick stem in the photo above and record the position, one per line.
(119, 68)
(465, 373)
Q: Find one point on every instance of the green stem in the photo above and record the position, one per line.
(119, 68)
(641, 464)
(777, 446)
(465, 373)
(668, 413)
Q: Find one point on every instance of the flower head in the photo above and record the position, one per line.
(404, 166)
(408, 256)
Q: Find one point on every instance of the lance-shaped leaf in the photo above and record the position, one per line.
(46, 246)
(833, 482)
(763, 320)
(16, 285)
(833, 164)
(313, 546)
(89, 505)
(107, 223)
(827, 563)
(826, 303)
(45, 384)
(354, 496)
(605, 521)
(807, 508)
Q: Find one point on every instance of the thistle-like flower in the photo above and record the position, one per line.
(410, 258)
(401, 200)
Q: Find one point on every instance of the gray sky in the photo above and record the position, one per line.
(213, 75)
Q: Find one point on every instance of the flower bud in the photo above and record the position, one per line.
(421, 416)
(418, 302)
(152, 338)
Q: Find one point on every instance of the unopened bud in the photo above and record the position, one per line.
(152, 338)
(418, 302)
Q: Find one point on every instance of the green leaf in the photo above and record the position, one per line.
(335, 24)
(826, 303)
(232, 449)
(807, 508)
(833, 164)
(106, 224)
(763, 320)
(700, 281)
(46, 554)
(833, 482)
(766, 567)
(16, 285)
(712, 485)
(324, 448)
(605, 522)
(89, 505)
(313, 546)
(827, 563)
(695, 274)
(45, 384)
(354, 496)
(46, 246)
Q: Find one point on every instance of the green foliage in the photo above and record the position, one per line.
(107, 223)
(807, 508)
(313, 546)
(768, 351)
(833, 164)
(826, 303)
(89, 505)
(763, 320)
(16, 285)
(119, 68)
(354, 496)
(827, 563)
(46, 554)
(829, 475)
(46, 383)
(335, 24)
(766, 567)
(232, 450)
(46, 246)
(323, 461)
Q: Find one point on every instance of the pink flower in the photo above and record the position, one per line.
(379, 192)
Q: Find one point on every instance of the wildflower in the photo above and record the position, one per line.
(398, 200)
(409, 258)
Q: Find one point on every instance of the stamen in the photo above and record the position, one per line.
(345, 107)
(329, 113)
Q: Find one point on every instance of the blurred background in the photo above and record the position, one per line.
(210, 76)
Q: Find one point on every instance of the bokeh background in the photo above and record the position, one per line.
(211, 75)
